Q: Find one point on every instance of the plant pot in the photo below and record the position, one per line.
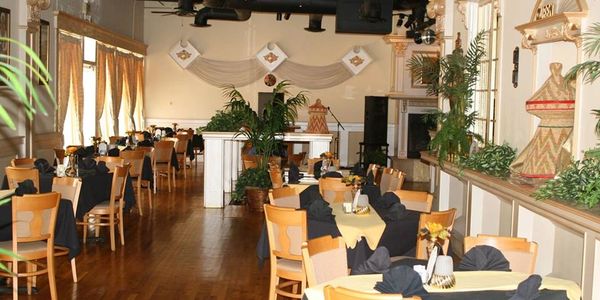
(256, 197)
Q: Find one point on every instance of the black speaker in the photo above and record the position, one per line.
(376, 115)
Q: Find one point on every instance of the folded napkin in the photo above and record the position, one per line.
(113, 152)
(309, 194)
(43, 166)
(385, 201)
(484, 258)
(319, 210)
(294, 174)
(101, 168)
(395, 212)
(401, 280)
(146, 143)
(357, 170)
(377, 263)
(332, 174)
(317, 169)
(25, 187)
(528, 289)
(84, 152)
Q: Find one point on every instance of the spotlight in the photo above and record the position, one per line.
(410, 21)
(400, 19)
(428, 36)
(279, 16)
(418, 38)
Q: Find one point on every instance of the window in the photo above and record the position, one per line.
(486, 89)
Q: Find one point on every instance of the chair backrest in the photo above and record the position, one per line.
(342, 293)
(396, 181)
(373, 169)
(324, 259)
(15, 176)
(445, 218)
(182, 143)
(111, 161)
(520, 253)
(114, 139)
(249, 161)
(386, 179)
(334, 190)
(69, 188)
(136, 159)
(276, 177)
(23, 162)
(275, 161)
(415, 200)
(60, 155)
(139, 136)
(163, 151)
(286, 228)
(118, 185)
(297, 159)
(34, 218)
(284, 192)
(147, 150)
(292, 201)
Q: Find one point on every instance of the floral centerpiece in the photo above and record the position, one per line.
(326, 162)
(434, 233)
(327, 155)
(70, 152)
(355, 181)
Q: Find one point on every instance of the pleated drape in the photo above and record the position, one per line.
(70, 79)
(104, 54)
(121, 71)
(138, 91)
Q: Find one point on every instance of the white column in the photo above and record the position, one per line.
(213, 171)
(227, 165)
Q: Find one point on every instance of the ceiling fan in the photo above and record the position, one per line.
(184, 8)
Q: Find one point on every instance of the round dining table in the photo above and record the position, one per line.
(466, 282)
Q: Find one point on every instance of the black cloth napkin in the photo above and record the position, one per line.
(84, 152)
(385, 201)
(309, 195)
(319, 210)
(294, 174)
(87, 167)
(113, 152)
(395, 212)
(25, 187)
(401, 280)
(528, 289)
(333, 174)
(43, 166)
(377, 263)
(357, 170)
(317, 169)
(101, 168)
(484, 258)
(146, 143)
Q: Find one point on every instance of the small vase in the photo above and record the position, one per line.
(71, 170)
(431, 245)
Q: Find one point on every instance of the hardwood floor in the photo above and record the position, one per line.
(178, 250)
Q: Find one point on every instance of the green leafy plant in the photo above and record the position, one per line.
(16, 80)
(578, 183)
(375, 156)
(453, 77)
(265, 131)
(254, 177)
(492, 160)
(225, 121)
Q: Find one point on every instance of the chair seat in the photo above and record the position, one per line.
(26, 249)
(290, 269)
(102, 208)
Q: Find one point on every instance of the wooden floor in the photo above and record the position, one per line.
(177, 251)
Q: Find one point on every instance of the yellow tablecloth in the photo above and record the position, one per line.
(354, 227)
(465, 281)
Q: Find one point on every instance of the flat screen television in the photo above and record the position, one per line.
(364, 16)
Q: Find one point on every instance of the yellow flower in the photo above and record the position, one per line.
(434, 231)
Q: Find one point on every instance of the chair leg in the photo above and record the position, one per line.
(155, 181)
(169, 180)
(111, 220)
(29, 279)
(173, 172)
(74, 269)
(15, 279)
(121, 230)
(149, 196)
(273, 286)
(85, 229)
(139, 195)
(52, 277)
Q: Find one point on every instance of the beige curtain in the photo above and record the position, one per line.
(313, 77)
(121, 71)
(70, 79)
(104, 54)
(132, 83)
(139, 104)
(223, 73)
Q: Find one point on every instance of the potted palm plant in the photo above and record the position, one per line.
(453, 77)
(264, 131)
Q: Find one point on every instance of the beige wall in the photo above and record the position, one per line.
(172, 92)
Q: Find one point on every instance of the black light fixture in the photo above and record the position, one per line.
(279, 16)
(418, 38)
(515, 72)
(409, 21)
(401, 17)
(428, 36)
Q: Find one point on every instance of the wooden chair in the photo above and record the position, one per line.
(386, 180)
(313, 161)
(276, 177)
(136, 160)
(59, 155)
(15, 176)
(249, 161)
(520, 253)
(396, 181)
(275, 162)
(161, 164)
(69, 188)
(373, 169)
(324, 259)
(415, 200)
(283, 192)
(23, 162)
(445, 218)
(114, 139)
(109, 213)
(181, 152)
(334, 190)
(297, 159)
(34, 220)
(342, 293)
(110, 161)
(291, 201)
(286, 229)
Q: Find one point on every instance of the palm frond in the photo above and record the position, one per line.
(590, 70)
(592, 40)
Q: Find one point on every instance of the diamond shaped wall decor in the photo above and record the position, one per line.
(271, 56)
(356, 60)
(183, 53)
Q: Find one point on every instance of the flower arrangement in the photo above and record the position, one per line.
(354, 180)
(434, 233)
(71, 150)
(327, 155)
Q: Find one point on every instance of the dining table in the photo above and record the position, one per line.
(472, 285)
